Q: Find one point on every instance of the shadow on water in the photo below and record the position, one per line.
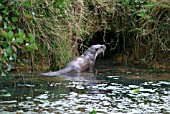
(114, 89)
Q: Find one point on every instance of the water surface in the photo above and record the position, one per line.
(112, 89)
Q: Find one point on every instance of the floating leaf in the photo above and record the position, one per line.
(93, 112)
(135, 91)
(8, 102)
(5, 95)
(164, 82)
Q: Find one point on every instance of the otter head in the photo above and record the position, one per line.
(99, 49)
(95, 50)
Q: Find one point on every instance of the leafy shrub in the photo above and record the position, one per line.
(12, 37)
(56, 27)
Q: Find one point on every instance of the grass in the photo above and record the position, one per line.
(60, 26)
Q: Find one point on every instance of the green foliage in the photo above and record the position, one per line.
(135, 91)
(144, 26)
(93, 112)
(12, 37)
(55, 27)
(35, 25)
(9, 44)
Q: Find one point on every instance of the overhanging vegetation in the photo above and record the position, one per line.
(47, 33)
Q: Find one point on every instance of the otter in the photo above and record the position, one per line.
(82, 63)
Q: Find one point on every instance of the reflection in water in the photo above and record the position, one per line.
(120, 90)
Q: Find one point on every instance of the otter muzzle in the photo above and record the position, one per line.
(100, 50)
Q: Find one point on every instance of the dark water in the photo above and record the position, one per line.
(114, 89)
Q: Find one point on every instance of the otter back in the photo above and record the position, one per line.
(82, 63)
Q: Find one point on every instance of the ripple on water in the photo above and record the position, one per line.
(109, 97)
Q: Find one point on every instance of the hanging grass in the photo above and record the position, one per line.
(58, 27)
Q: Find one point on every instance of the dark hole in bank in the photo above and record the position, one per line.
(113, 43)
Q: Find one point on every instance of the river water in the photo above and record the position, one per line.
(113, 89)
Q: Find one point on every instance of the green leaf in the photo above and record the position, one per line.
(93, 112)
(5, 25)
(28, 3)
(5, 34)
(3, 74)
(26, 39)
(22, 36)
(135, 91)
(7, 20)
(5, 12)
(5, 44)
(31, 37)
(5, 95)
(13, 26)
(133, 23)
(142, 14)
(0, 18)
(4, 57)
(32, 47)
(14, 19)
(9, 49)
(8, 35)
(17, 12)
(19, 40)
(18, 60)
(1, 6)
(64, 5)
(28, 16)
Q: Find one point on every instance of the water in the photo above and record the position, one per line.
(122, 90)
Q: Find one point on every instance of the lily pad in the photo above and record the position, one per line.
(164, 82)
(5, 95)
